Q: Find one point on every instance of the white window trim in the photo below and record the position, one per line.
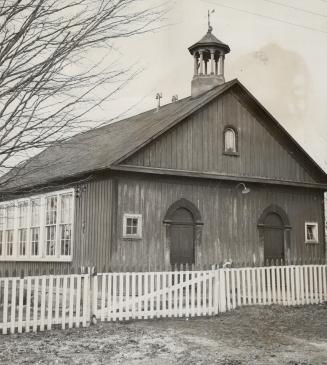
(315, 224)
(42, 239)
(138, 235)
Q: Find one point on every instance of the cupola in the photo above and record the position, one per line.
(209, 56)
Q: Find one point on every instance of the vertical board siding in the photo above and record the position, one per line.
(230, 220)
(196, 144)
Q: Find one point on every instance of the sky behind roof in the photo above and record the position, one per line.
(283, 65)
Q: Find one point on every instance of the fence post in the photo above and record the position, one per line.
(222, 291)
(93, 294)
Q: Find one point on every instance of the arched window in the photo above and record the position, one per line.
(230, 140)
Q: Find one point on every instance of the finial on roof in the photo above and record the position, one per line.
(209, 24)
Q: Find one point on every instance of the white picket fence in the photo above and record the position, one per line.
(41, 302)
(124, 296)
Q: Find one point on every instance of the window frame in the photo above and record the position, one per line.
(42, 254)
(316, 232)
(231, 153)
(138, 234)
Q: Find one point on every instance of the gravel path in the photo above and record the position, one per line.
(250, 335)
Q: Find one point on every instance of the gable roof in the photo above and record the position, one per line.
(101, 148)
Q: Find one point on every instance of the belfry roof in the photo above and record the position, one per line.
(209, 40)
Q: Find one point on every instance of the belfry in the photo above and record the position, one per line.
(209, 56)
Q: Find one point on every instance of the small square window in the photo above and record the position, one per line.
(311, 232)
(132, 226)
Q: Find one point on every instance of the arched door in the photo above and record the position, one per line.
(274, 233)
(183, 231)
(182, 237)
(273, 237)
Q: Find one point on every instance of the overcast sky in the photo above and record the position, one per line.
(283, 65)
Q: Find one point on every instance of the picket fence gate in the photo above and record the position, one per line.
(42, 302)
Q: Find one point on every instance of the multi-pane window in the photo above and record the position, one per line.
(311, 232)
(36, 228)
(51, 225)
(132, 226)
(2, 224)
(10, 221)
(65, 224)
(22, 227)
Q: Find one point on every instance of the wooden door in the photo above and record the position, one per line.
(274, 237)
(182, 237)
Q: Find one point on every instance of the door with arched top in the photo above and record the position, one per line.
(274, 233)
(183, 232)
(274, 237)
(182, 229)
(182, 237)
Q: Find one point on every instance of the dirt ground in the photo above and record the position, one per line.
(249, 335)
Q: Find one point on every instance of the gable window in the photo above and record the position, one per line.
(311, 232)
(38, 228)
(230, 141)
(132, 226)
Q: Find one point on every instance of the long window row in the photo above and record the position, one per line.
(38, 228)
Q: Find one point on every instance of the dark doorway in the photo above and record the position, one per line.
(274, 238)
(274, 231)
(184, 231)
(182, 237)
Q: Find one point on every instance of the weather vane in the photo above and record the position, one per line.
(209, 25)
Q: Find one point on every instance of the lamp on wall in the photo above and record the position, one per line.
(245, 190)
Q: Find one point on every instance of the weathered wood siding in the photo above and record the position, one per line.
(92, 233)
(196, 144)
(230, 219)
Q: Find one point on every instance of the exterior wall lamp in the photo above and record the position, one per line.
(245, 190)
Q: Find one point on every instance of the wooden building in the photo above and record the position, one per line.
(209, 178)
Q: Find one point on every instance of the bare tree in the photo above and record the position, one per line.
(48, 84)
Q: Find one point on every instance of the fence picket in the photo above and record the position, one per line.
(64, 303)
(283, 287)
(71, 301)
(311, 284)
(264, 287)
(222, 291)
(86, 300)
(254, 284)
(164, 295)
(187, 296)
(248, 283)
(278, 284)
(238, 287)
(133, 288)
(35, 303)
(233, 288)
(13, 305)
(49, 304)
(28, 304)
(204, 295)
(301, 285)
(103, 296)
(297, 286)
(57, 295)
(78, 301)
(216, 293)
(273, 283)
(20, 305)
(315, 281)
